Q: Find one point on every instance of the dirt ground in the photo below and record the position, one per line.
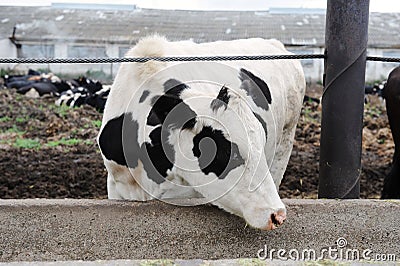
(50, 152)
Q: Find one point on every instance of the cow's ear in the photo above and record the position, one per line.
(222, 99)
(256, 88)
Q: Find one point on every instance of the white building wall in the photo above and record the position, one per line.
(377, 71)
(7, 49)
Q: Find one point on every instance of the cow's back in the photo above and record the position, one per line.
(287, 74)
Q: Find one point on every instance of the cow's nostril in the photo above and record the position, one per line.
(274, 220)
(278, 218)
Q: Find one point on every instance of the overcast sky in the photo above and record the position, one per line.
(375, 6)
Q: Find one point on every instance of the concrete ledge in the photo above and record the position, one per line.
(45, 230)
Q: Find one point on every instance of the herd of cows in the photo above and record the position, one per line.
(72, 93)
(222, 131)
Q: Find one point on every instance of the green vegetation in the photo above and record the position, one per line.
(89, 142)
(22, 119)
(309, 114)
(5, 119)
(15, 129)
(63, 141)
(96, 123)
(62, 110)
(4, 72)
(27, 143)
(372, 110)
(18, 97)
(39, 124)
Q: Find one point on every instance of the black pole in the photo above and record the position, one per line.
(343, 99)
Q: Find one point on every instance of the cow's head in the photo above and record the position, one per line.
(245, 186)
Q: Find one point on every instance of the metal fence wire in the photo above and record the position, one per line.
(107, 60)
(146, 59)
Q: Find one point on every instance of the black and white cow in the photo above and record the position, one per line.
(223, 130)
(73, 97)
(391, 93)
(99, 98)
(83, 91)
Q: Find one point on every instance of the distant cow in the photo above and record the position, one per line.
(33, 84)
(99, 98)
(83, 91)
(222, 130)
(74, 97)
(391, 189)
(376, 89)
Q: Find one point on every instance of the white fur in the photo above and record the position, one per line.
(249, 190)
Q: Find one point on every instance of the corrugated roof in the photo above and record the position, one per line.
(127, 26)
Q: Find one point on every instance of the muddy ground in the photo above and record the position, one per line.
(50, 152)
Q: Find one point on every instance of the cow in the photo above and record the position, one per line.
(376, 88)
(99, 98)
(75, 97)
(391, 93)
(35, 84)
(223, 131)
(82, 91)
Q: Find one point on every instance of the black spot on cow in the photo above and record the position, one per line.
(170, 109)
(80, 99)
(256, 88)
(118, 140)
(152, 119)
(162, 105)
(189, 124)
(158, 156)
(222, 100)
(264, 125)
(90, 85)
(69, 101)
(144, 96)
(62, 86)
(98, 100)
(215, 153)
(174, 87)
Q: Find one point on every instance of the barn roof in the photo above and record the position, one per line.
(50, 24)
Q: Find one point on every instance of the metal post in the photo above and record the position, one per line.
(343, 99)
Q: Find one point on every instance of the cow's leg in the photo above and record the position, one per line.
(112, 192)
(391, 187)
(282, 155)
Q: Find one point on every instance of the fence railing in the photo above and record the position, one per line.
(173, 59)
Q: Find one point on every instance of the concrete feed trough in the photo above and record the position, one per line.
(44, 230)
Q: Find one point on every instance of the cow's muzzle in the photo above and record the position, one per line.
(276, 219)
